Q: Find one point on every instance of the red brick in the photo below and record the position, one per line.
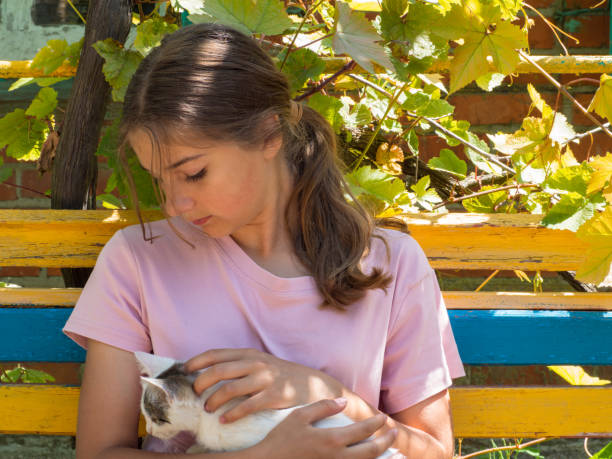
(579, 119)
(523, 79)
(32, 179)
(540, 35)
(430, 146)
(7, 192)
(594, 32)
(491, 108)
(578, 4)
(601, 145)
(54, 272)
(103, 176)
(6, 158)
(19, 271)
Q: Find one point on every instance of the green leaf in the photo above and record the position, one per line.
(354, 116)
(485, 48)
(329, 107)
(24, 135)
(574, 179)
(356, 37)
(375, 182)
(150, 33)
(5, 172)
(31, 376)
(192, 6)
(489, 81)
(110, 201)
(421, 186)
(43, 104)
(570, 212)
(597, 233)
(73, 52)
(119, 66)
(413, 142)
(248, 16)
(449, 162)
(40, 81)
(301, 65)
(604, 453)
(602, 101)
(487, 202)
(11, 376)
(477, 159)
(50, 56)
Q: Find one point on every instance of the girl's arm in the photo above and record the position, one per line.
(424, 429)
(109, 410)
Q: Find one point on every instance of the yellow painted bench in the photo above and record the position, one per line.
(495, 328)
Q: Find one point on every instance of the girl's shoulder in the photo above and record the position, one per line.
(400, 254)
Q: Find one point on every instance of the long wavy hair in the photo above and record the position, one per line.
(214, 80)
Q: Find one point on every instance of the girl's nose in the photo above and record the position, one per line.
(179, 205)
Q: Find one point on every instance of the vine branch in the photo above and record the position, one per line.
(316, 88)
(505, 448)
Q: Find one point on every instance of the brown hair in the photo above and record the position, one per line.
(211, 79)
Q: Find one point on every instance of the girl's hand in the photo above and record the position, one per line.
(297, 438)
(272, 383)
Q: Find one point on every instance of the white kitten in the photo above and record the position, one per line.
(169, 406)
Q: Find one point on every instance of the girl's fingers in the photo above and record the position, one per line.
(318, 410)
(359, 431)
(232, 389)
(213, 356)
(246, 407)
(222, 371)
(373, 448)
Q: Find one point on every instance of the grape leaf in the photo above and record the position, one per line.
(356, 37)
(602, 101)
(247, 16)
(602, 174)
(301, 65)
(570, 212)
(574, 178)
(150, 33)
(50, 56)
(576, 376)
(375, 182)
(489, 81)
(119, 65)
(489, 43)
(329, 107)
(24, 135)
(449, 162)
(487, 203)
(43, 104)
(604, 453)
(597, 233)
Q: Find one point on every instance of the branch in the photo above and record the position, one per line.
(480, 193)
(505, 448)
(564, 91)
(347, 68)
(26, 188)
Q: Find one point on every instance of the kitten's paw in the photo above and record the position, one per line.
(196, 449)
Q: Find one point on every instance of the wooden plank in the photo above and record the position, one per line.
(35, 335)
(552, 64)
(597, 301)
(524, 337)
(493, 337)
(531, 412)
(477, 412)
(455, 241)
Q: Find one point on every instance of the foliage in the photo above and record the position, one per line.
(393, 98)
(25, 375)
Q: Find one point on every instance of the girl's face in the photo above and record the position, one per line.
(217, 185)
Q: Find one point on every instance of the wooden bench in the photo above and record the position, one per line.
(493, 328)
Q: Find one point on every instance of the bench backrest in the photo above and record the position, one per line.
(496, 328)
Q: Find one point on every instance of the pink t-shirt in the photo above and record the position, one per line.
(394, 349)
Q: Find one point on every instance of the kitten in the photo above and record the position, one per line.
(169, 406)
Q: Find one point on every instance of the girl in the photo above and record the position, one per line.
(261, 274)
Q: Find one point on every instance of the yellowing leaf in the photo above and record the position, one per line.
(602, 101)
(602, 174)
(356, 37)
(576, 375)
(489, 44)
(597, 233)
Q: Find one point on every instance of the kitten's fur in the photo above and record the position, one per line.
(169, 406)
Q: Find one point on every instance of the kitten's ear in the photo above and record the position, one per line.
(157, 383)
(152, 365)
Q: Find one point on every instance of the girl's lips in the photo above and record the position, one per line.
(201, 221)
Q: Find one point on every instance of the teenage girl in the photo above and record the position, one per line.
(262, 273)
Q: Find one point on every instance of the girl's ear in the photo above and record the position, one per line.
(152, 365)
(158, 383)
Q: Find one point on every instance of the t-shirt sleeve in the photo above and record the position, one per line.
(421, 355)
(110, 308)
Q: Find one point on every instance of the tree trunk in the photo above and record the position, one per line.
(75, 167)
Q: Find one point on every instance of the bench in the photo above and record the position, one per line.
(491, 328)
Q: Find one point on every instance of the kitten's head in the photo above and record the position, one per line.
(168, 400)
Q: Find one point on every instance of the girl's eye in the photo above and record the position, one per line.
(196, 177)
